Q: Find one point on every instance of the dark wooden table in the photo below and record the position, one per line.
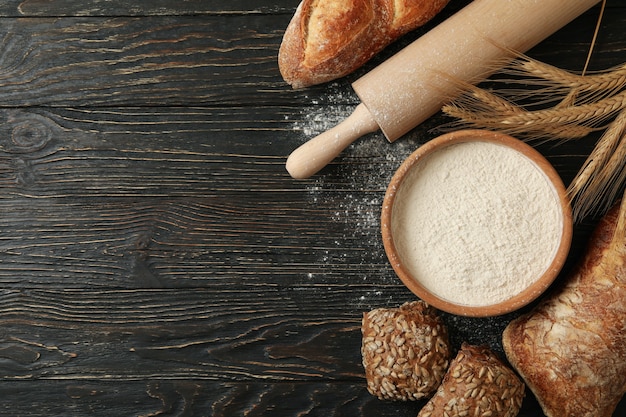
(155, 256)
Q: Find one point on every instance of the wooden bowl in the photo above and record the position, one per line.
(539, 281)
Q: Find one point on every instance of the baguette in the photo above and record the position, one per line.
(571, 349)
(328, 39)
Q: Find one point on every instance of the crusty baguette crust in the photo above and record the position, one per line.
(571, 349)
(328, 39)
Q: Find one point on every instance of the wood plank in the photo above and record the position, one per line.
(152, 152)
(159, 60)
(247, 332)
(138, 152)
(191, 60)
(193, 397)
(178, 243)
(45, 8)
(200, 397)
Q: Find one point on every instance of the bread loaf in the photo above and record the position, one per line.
(328, 39)
(405, 351)
(571, 349)
(477, 383)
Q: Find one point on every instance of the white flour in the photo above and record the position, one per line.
(476, 223)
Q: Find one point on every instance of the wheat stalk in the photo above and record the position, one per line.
(576, 114)
(551, 76)
(476, 105)
(485, 120)
(551, 83)
(603, 172)
(583, 104)
(480, 108)
(620, 228)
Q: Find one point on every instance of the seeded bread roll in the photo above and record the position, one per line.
(571, 350)
(477, 383)
(327, 39)
(405, 351)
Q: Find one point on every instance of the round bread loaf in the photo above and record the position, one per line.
(405, 351)
(477, 383)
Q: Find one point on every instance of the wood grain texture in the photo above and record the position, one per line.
(159, 60)
(155, 256)
(69, 8)
(180, 60)
(180, 334)
(200, 397)
(195, 398)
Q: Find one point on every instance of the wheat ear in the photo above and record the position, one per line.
(551, 84)
(605, 185)
(590, 113)
(611, 80)
(619, 235)
(603, 172)
(481, 109)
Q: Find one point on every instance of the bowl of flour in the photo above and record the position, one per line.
(476, 223)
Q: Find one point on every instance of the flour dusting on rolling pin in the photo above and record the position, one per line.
(414, 84)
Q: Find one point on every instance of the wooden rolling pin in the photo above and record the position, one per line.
(413, 85)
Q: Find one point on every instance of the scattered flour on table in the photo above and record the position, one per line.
(354, 190)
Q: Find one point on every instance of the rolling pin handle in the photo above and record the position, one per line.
(315, 154)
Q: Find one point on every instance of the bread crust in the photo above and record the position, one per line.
(477, 383)
(328, 39)
(405, 351)
(571, 349)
